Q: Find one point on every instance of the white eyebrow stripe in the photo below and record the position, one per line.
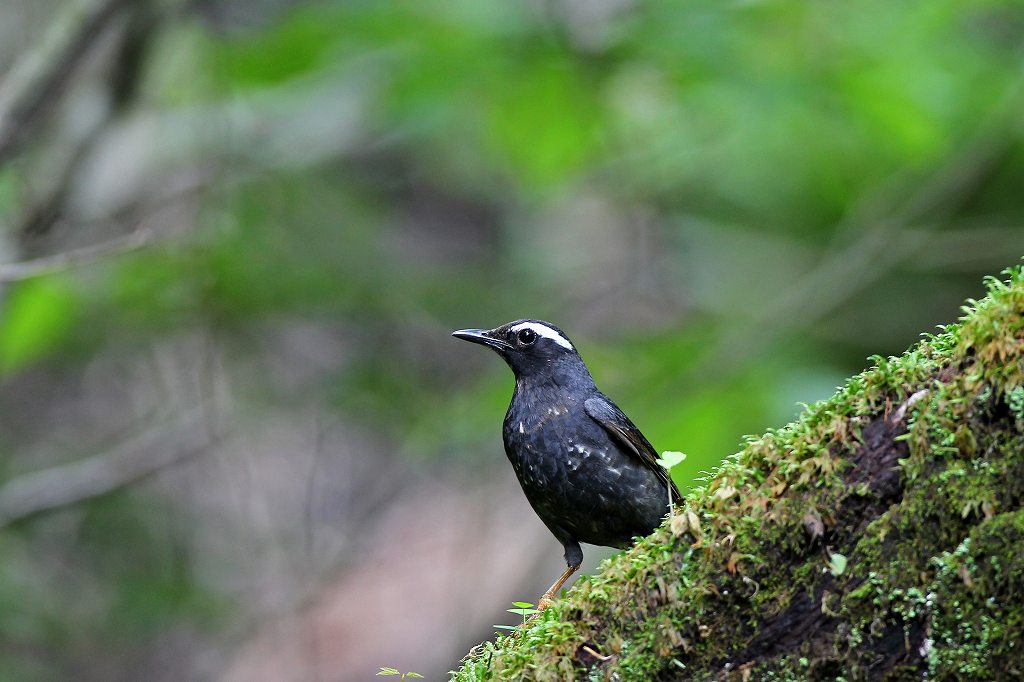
(546, 332)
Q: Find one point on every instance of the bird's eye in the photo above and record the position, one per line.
(526, 336)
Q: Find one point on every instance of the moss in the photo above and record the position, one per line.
(914, 472)
(977, 627)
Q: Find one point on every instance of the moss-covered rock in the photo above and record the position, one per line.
(880, 536)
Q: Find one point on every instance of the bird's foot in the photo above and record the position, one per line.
(544, 602)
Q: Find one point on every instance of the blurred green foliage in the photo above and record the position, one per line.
(743, 119)
(136, 582)
(37, 317)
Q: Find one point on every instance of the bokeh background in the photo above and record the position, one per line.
(236, 440)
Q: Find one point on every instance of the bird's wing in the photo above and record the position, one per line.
(624, 432)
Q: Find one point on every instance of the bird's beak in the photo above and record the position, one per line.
(483, 337)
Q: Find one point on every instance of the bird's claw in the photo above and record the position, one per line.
(544, 602)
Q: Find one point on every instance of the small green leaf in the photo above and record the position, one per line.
(522, 604)
(413, 675)
(389, 671)
(522, 612)
(501, 627)
(837, 564)
(671, 458)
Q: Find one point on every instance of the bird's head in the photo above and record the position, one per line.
(532, 348)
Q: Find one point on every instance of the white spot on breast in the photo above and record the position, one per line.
(521, 430)
(546, 332)
(577, 456)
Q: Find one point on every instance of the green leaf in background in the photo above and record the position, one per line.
(35, 319)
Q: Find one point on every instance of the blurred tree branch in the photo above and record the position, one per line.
(136, 458)
(12, 272)
(38, 80)
(885, 228)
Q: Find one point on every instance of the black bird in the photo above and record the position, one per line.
(586, 469)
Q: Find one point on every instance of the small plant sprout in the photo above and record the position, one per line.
(521, 608)
(395, 671)
(836, 564)
(669, 459)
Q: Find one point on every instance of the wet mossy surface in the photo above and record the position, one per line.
(878, 537)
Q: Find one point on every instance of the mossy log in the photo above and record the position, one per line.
(878, 537)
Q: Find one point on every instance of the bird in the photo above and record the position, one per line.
(586, 469)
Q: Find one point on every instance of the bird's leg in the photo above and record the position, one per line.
(573, 559)
(545, 601)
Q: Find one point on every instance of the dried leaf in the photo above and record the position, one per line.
(965, 575)
(813, 524)
(693, 522)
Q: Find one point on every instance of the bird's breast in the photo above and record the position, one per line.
(575, 475)
(555, 448)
